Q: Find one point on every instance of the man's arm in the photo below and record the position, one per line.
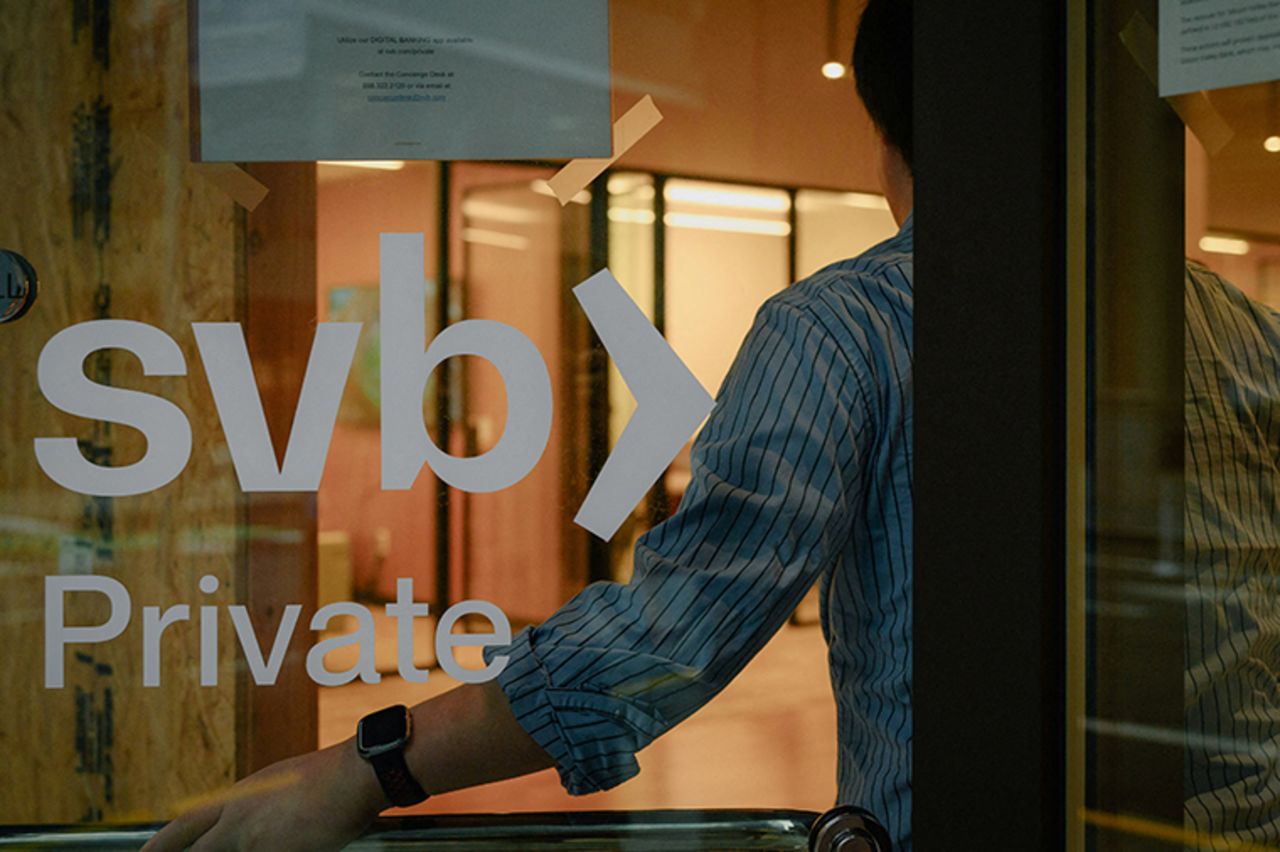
(465, 737)
(469, 736)
(777, 475)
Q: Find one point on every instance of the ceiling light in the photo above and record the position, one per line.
(498, 239)
(732, 224)
(621, 184)
(637, 186)
(1272, 144)
(1223, 245)
(833, 68)
(772, 202)
(631, 216)
(494, 211)
(380, 165)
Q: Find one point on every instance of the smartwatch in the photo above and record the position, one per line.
(380, 739)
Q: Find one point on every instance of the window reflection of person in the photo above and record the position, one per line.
(802, 473)
(1232, 545)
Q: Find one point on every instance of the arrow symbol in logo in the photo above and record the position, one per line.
(670, 403)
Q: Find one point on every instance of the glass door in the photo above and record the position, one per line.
(220, 545)
(1180, 715)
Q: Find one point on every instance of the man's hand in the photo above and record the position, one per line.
(315, 802)
(324, 800)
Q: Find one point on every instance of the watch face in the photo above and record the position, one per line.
(383, 730)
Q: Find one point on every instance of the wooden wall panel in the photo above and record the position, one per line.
(98, 195)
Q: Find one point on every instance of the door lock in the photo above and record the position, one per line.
(17, 286)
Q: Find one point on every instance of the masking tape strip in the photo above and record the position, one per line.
(240, 186)
(1195, 109)
(243, 188)
(237, 184)
(627, 131)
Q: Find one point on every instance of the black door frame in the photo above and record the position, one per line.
(991, 422)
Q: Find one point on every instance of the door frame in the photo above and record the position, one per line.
(991, 417)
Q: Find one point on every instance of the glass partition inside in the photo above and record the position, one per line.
(829, 222)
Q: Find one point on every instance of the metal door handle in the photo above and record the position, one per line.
(848, 829)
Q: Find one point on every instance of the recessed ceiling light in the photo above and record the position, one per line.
(381, 165)
(1215, 244)
(715, 195)
(732, 224)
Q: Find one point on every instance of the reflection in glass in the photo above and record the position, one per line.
(1183, 599)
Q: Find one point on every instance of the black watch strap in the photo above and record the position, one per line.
(396, 779)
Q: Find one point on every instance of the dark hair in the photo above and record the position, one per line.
(882, 70)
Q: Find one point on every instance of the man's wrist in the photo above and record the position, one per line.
(369, 792)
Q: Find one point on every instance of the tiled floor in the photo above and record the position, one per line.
(767, 741)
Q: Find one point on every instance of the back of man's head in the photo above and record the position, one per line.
(882, 70)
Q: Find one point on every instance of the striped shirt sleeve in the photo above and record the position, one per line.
(769, 508)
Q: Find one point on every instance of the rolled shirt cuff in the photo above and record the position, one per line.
(591, 737)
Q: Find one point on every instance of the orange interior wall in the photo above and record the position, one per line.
(740, 87)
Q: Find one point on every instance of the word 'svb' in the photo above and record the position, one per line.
(670, 401)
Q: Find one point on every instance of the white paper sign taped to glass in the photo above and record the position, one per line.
(1213, 44)
(400, 79)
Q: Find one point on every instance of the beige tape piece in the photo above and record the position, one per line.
(1195, 109)
(627, 131)
(240, 186)
(243, 188)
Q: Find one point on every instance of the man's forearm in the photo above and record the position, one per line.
(465, 737)
(469, 736)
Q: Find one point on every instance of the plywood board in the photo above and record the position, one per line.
(100, 198)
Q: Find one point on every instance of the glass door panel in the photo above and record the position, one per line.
(1182, 647)
(247, 276)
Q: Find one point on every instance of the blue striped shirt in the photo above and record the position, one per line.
(802, 473)
(1232, 535)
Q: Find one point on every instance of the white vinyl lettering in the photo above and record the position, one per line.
(57, 635)
(265, 669)
(264, 672)
(235, 394)
(363, 637)
(406, 367)
(447, 640)
(670, 403)
(404, 610)
(60, 374)
(208, 634)
(154, 624)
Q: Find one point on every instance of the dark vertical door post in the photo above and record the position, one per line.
(989, 330)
